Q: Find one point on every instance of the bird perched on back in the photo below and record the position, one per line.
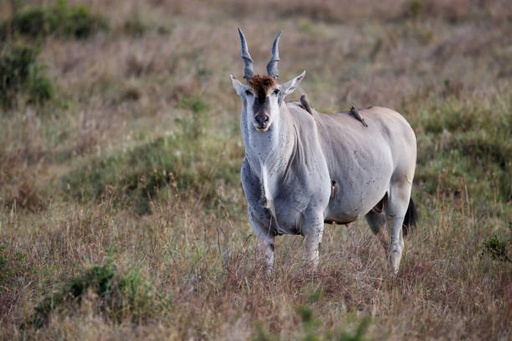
(305, 104)
(355, 114)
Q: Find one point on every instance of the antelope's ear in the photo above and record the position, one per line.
(239, 87)
(290, 86)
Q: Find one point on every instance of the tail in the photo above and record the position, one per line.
(411, 218)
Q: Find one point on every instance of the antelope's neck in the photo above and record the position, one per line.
(271, 150)
(269, 154)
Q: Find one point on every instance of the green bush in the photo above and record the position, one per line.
(466, 143)
(117, 296)
(11, 266)
(191, 163)
(185, 164)
(58, 18)
(21, 74)
(496, 249)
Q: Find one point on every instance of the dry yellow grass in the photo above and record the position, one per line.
(189, 253)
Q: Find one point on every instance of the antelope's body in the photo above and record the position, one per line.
(303, 168)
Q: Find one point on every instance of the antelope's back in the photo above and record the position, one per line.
(364, 160)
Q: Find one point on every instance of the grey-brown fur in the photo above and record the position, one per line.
(303, 168)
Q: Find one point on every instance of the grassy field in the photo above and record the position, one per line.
(121, 210)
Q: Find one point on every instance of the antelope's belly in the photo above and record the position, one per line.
(347, 208)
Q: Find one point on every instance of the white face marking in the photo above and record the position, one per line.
(262, 98)
(263, 110)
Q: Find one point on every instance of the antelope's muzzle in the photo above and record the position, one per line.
(262, 121)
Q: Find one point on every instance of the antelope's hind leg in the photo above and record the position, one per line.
(378, 222)
(395, 208)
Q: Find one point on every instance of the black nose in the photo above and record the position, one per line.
(262, 119)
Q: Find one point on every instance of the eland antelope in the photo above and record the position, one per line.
(303, 169)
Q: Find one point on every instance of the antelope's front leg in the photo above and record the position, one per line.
(266, 252)
(312, 240)
(261, 223)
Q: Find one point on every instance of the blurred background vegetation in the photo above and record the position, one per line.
(120, 150)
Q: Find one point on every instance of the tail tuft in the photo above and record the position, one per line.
(411, 218)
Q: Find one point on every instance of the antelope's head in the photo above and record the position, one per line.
(262, 95)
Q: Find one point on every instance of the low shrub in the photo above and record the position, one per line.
(11, 266)
(116, 296)
(57, 19)
(185, 164)
(466, 143)
(496, 248)
(21, 75)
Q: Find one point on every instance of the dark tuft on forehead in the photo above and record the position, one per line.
(262, 84)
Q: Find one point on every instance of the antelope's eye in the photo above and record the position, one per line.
(276, 92)
(248, 92)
